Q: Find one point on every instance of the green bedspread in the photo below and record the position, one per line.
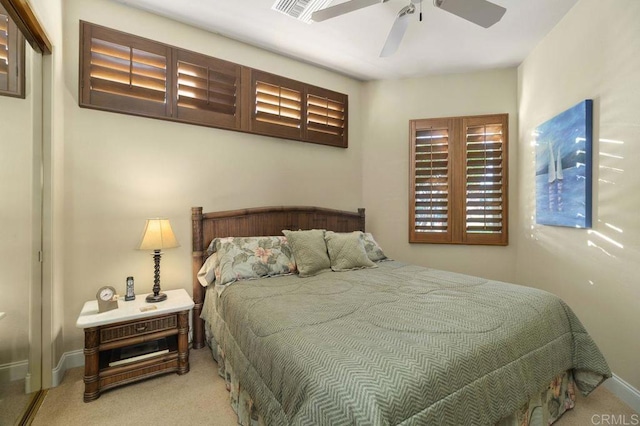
(399, 344)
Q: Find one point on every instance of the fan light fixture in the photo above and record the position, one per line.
(479, 12)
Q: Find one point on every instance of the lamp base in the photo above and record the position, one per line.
(153, 298)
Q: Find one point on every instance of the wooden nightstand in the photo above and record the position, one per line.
(128, 344)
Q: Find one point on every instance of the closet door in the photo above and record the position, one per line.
(20, 244)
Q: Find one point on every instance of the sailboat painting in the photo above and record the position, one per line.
(563, 168)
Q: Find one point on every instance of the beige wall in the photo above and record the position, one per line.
(120, 170)
(591, 54)
(385, 157)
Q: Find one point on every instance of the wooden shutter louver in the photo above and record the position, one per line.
(326, 117)
(11, 57)
(431, 183)
(278, 105)
(485, 184)
(126, 73)
(208, 90)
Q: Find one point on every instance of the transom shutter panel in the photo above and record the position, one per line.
(431, 181)
(486, 182)
(208, 90)
(278, 107)
(11, 57)
(326, 117)
(125, 73)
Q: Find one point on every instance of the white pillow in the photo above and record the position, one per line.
(206, 274)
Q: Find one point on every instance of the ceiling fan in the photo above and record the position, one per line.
(480, 12)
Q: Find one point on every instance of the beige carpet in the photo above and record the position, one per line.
(13, 401)
(200, 397)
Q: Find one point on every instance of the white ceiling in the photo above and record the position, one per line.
(351, 43)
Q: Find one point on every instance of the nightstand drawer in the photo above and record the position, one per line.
(118, 332)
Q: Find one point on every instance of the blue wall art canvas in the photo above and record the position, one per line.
(563, 168)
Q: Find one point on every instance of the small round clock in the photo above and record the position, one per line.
(107, 299)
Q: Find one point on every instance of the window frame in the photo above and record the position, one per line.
(457, 179)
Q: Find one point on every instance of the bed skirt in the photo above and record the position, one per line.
(542, 409)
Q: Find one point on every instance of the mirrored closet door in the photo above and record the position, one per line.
(20, 227)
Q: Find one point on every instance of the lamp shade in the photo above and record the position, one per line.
(158, 235)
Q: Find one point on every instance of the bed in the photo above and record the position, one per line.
(387, 344)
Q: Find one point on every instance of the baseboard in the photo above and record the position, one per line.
(624, 391)
(67, 360)
(14, 371)
(27, 384)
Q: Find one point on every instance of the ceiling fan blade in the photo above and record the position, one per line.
(342, 8)
(397, 31)
(480, 12)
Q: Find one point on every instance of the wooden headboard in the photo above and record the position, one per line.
(260, 221)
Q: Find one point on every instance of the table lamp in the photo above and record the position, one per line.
(157, 236)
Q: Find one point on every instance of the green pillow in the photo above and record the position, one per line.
(346, 251)
(309, 251)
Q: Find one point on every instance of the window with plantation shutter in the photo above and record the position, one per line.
(277, 105)
(326, 117)
(128, 74)
(11, 57)
(459, 175)
(125, 73)
(208, 90)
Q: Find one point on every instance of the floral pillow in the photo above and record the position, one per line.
(374, 252)
(217, 242)
(243, 258)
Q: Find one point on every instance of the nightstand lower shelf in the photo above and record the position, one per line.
(139, 370)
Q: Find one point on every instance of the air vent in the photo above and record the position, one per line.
(300, 9)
